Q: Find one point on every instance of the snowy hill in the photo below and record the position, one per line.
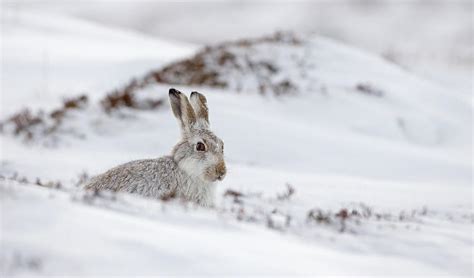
(378, 158)
(62, 56)
(285, 63)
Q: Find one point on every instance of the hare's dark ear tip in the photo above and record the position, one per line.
(198, 96)
(173, 92)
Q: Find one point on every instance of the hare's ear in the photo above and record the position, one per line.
(182, 110)
(199, 103)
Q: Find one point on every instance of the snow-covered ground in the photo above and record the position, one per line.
(401, 162)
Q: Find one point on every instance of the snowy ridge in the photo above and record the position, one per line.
(62, 38)
(63, 57)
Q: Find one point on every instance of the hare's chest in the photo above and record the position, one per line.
(195, 191)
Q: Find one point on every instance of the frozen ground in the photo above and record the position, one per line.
(402, 162)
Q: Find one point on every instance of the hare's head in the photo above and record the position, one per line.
(200, 153)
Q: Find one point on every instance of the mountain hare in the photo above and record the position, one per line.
(190, 172)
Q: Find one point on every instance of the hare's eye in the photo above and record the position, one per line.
(200, 147)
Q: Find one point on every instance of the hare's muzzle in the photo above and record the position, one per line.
(220, 171)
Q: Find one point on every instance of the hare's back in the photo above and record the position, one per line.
(148, 177)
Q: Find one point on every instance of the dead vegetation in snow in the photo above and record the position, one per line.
(242, 65)
(277, 213)
(31, 126)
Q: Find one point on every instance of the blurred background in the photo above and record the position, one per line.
(431, 37)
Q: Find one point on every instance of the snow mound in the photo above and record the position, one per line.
(267, 64)
(370, 94)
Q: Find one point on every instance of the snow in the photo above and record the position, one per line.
(131, 236)
(40, 46)
(342, 149)
(431, 38)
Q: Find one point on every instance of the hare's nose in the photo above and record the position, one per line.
(221, 176)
